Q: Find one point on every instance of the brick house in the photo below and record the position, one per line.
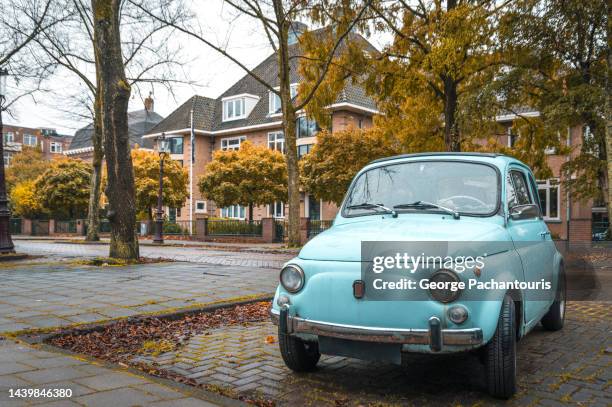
(249, 111)
(139, 123)
(16, 137)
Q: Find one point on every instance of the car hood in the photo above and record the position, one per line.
(342, 242)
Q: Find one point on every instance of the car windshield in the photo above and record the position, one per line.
(451, 186)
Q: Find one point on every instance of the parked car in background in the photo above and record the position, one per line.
(321, 305)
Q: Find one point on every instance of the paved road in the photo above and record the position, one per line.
(186, 254)
(568, 367)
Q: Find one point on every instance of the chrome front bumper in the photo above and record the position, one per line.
(435, 337)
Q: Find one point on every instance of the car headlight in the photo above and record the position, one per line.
(443, 286)
(292, 278)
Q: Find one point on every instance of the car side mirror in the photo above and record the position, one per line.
(521, 212)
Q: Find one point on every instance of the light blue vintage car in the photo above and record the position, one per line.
(487, 201)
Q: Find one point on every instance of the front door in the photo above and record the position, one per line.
(531, 239)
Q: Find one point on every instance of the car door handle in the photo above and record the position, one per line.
(544, 234)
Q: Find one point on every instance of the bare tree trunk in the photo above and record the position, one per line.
(93, 216)
(451, 133)
(293, 176)
(114, 93)
(608, 143)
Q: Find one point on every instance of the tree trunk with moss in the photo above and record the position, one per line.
(114, 94)
(93, 216)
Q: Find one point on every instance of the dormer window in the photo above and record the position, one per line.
(275, 105)
(238, 107)
(233, 109)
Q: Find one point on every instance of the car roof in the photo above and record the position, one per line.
(499, 160)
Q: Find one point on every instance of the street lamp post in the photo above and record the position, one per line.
(6, 244)
(163, 147)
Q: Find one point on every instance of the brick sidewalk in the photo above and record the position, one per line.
(555, 368)
(25, 367)
(44, 295)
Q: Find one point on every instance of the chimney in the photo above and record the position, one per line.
(149, 103)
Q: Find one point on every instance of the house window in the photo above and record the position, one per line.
(232, 143)
(233, 109)
(56, 147)
(233, 212)
(176, 145)
(304, 149)
(200, 207)
(30, 140)
(277, 209)
(274, 100)
(276, 141)
(306, 127)
(9, 137)
(275, 105)
(511, 138)
(7, 158)
(550, 196)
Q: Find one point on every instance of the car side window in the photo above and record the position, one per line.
(510, 194)
(517, 190)
(534, 193)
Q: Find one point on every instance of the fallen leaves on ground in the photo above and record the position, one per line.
(121, 340)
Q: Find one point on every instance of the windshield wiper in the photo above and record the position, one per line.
(367, 205)
(425, 205)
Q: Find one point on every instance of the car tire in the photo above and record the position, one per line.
(501, 354)
(299, 355)
(554, 319)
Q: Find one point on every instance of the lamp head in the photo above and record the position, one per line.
(163, 144)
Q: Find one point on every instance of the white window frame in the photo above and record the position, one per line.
(30, 137)
(273, 141)
(55, 147)
(274, 99)
(9, 137)
(233, 102)
(7, 158)
(272, 210)
(547, 185)
(225, 143)
(200, 210)
(230, 212)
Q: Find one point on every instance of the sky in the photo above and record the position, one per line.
(209, 72)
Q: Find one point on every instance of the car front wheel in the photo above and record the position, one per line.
(501, 354)
(299, 355)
